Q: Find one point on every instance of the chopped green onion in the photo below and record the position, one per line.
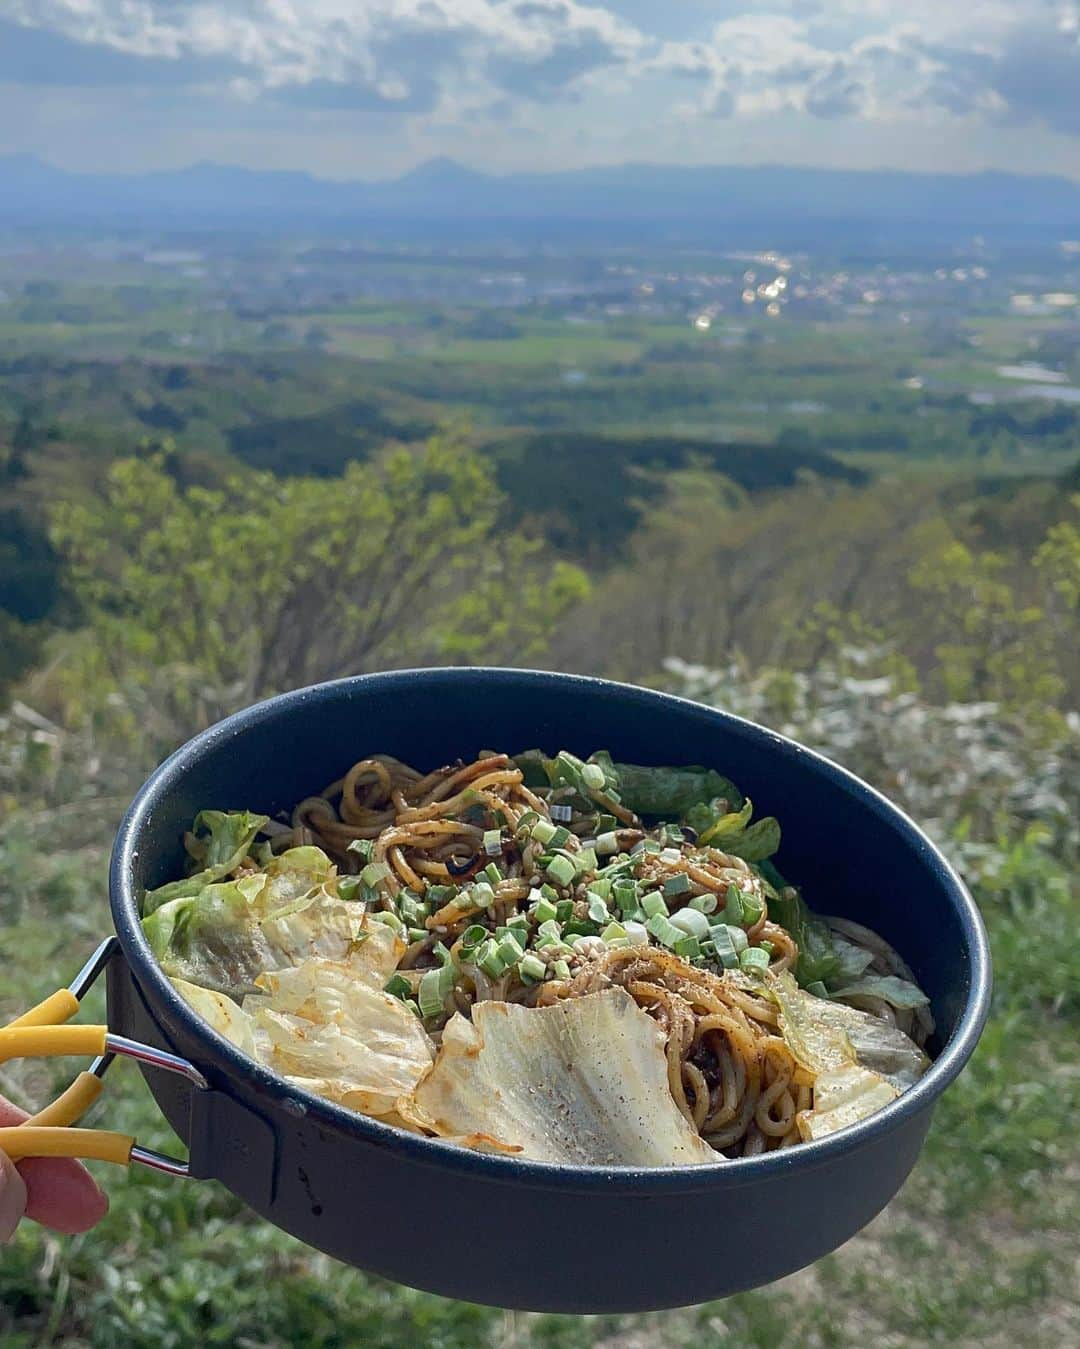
(363, 847)
(649, 845)
(473, 937)
(817, 989)
(613, 932)
(625, 895)
(374, 872)
(664, 930)
(688, 947)
(692, 922)
(704, 903)
(492, 872)
(527, 819)
(492, 842)
(438, 895)
(733, 907)
(531, 968)
(593, 777)
(754, 958)
(544, 831)
(398, 987)
(653, 904)
(608, 843)
(724, 947)
(679, 884)
(753, 907)
(670, 855)
(348, 886)
(561, 870)
(550, 927)
(489, 960)
(605, 824)
(767, 947)
(390, 919)
(430, 994)
(481, 895)
(601, 886)
(418, 933)
(598, 910)
(637, 934)
(414, 1007)
(544, 911)
(562, 813)
(441, 952)
(560, 838)
(585, 860)
(564, 909)
(510, 949)
(560, 969)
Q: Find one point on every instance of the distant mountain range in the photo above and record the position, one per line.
(631, 200)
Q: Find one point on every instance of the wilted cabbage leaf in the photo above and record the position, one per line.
(229, 933)
(843, 1096)
(583, 1082)
(323, 1029)
(218, 843)
(226, 1017)
(825, 1035)
(890, 988)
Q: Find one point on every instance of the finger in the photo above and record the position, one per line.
(60, 1192)
(12, 1198)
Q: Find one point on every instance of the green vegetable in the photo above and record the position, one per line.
(493, 874)
(348, 887)
(889, 987)
(398, 987)
(691, 921)
(653, 904)
(670, 792)
(598, 910)
(754, 958)
(679, 884)
(819, 959)
(375, 872)
(531, 968)
(560, 969)
(664, 930)
(561, 870)
(492, 842)
(432, 992)
(703, 903)
(218, 843)
(543, 910)
(724, 946)
(689, 948)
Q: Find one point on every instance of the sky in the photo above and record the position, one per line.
(370, 88)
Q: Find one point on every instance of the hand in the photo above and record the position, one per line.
(56, 1191)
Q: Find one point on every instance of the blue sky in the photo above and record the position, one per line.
(354, 88)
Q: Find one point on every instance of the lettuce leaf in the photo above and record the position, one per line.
(843, 1096)
(824, 1035)
(819, 958)
(325, 1030)
(671, 792)
(732, 831)
(231, 932)
(218, 843)
(582, 1081)
(890, 988)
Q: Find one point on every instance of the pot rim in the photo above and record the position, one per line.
(224, 1057)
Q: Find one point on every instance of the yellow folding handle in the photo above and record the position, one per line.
(98, 1145)
(38, 1041)
(47, 1134)
(42, 1033)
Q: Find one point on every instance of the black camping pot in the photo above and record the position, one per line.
(494, 1229)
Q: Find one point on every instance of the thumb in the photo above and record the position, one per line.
(12, 1198)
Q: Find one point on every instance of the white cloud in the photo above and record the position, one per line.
(889, 67)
